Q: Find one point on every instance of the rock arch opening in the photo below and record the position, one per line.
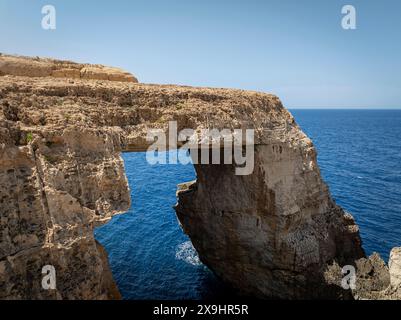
(149, 255)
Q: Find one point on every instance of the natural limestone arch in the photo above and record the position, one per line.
(274, 233)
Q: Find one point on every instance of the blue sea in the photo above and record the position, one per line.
(359, 153)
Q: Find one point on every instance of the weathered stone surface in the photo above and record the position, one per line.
(52, 195)
(374, 280)
(395, 270)
(372, 276)
(36, 67)
(274, 233)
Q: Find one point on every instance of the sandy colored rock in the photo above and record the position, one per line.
(36, 67)
(274, 233)
(395, 268)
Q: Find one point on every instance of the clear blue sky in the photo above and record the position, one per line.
(295, 49)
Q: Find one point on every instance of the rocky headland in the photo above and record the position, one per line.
(275, 233)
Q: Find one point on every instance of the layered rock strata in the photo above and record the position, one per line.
(273, 234)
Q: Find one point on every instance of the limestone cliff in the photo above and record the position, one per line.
(63, 125)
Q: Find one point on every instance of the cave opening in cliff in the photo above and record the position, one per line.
(150, 256)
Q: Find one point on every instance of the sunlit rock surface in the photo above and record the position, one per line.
(275, 233)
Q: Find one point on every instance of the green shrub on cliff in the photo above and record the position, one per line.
(29, 137)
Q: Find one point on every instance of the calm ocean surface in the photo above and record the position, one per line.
(359, 153)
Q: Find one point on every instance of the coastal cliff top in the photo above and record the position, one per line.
(45, 67)
(39, 94)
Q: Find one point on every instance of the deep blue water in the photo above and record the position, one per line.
(150, 257)
(359, 153)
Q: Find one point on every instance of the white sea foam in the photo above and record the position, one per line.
(186, 252)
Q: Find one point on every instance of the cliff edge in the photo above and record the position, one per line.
(273, 234)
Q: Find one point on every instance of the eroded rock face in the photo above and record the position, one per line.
(51, 196)
(274, 233)
(395, 273)
(36, 67)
